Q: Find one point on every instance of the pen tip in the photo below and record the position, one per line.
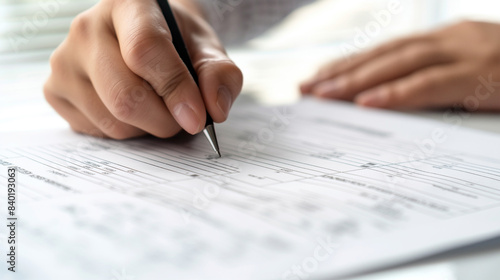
(209, 132)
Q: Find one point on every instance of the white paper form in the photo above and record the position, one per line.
(311, 191)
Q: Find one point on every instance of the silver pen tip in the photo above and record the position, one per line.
(209, 132)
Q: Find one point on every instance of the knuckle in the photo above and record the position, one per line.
(122, 103)
(392, 92)
(462, 27)
(349, 83)
(172, 84)
(423, 54)
(467, 24)
(56, 61)
(327, 70)
(48, 93)
(386, 47)
(413, 54)
(398, 43)
(409, 41)
(142, 45)
(109, 3)
(475, 30)
(395, 94)
(426, 83)
(324, 69)
(81, 26)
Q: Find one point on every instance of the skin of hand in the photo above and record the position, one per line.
(456, 66)
(118, 75)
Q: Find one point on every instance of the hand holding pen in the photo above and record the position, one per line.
(119, 75)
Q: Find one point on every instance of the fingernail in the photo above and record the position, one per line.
(187, 118)
(333, 88)
(372, 99)
(224, 100)
(306, 86)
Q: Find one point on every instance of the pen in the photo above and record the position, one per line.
(181, 49)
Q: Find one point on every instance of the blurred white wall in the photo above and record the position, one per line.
(329, 21)
(488, 10)
(38, 26)
(31, 29)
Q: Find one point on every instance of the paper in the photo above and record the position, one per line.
(311, 191)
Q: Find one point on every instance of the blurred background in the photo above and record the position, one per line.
(273, 64)
(33, 28)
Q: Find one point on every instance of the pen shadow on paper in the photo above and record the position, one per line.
(180, 139)
(190, 144)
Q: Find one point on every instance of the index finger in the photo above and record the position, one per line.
(346, 64)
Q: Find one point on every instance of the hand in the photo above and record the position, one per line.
(454, 66)
(118, 75)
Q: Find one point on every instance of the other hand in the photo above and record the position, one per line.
(457, 65)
